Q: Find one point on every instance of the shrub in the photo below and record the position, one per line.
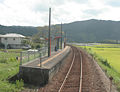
(105, 62)
(37, 46)
(1, 45)
(11, 59)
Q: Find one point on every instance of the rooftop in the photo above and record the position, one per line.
(12, 35)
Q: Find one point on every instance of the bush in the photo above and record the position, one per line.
(105, 62)
(37, 46)
(11, 59)
(1, 45)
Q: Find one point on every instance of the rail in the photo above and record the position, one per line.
(74, 60)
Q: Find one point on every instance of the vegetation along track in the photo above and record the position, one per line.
(73, 79)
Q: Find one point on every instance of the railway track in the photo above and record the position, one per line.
(69, 77)
(73, 79)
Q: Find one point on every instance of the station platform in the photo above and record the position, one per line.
(37, 73)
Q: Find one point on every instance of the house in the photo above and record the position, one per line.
(12, 40)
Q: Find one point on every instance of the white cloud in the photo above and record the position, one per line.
(35, 12)
(111, 13)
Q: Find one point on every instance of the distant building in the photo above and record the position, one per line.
(12, 40)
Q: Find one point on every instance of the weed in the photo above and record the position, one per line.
(3, 60)
(19, 84)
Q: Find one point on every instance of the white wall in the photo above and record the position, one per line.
(11, 40)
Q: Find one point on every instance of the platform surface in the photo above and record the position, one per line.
(47, 62)
(53, 60)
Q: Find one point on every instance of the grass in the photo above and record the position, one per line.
(107, 56)
(32, 56)
(12, 50)
(9, 67)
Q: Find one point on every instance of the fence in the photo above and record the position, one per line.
(26, 56)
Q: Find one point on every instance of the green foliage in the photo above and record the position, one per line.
(1, 45)
(9, 67)
(107, 56)
(19, 84)
(12, 60)
(94, 55)
(3, 60)
(109, 41)
(15, 87)
(84, 31)
(24, 42)
(104, 61)
(27, 31)
(37, 46)
(89, 30)
(6, 57)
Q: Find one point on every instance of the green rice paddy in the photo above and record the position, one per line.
(111, 54)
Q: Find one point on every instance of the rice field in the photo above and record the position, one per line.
(109, 53)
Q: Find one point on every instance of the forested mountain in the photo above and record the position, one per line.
(90, 30)
(79, 31)
(27, 31)
(93, 30)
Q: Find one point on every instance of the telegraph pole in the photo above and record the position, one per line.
(65, 40)
(61, 35)
(49, 40)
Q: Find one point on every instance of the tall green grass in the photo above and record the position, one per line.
(9, 67)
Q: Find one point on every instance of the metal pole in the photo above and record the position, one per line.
(111, 78)
(45, 48)
(61, 35)
(20, 58)
(34, 53)
(49, 49)
(28, 57)
(65, 40)
(58, 43)
(40, 60)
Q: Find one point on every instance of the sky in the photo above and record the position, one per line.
(36, 12)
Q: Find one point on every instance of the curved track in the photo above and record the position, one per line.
(73, 79)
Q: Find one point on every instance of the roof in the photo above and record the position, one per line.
(57, 37)
(1, 35)
(12, 35)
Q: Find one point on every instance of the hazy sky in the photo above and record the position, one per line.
(35, 12)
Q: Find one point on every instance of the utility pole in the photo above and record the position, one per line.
(49, 40)
(61, 35)
(64, 39)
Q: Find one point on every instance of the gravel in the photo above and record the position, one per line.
(94, 79)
